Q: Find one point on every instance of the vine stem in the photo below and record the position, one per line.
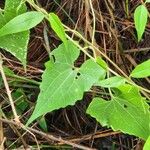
(16, 117)
(94, 48)
(94, 21)
(106, 57)
(143, 90)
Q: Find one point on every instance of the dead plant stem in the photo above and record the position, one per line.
(16, 117)
(47, 136)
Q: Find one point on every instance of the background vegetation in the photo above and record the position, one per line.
(102, 41)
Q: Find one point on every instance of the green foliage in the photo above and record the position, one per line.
(22, 23)
(14, 27)
(140, 19)
(101, 62)
(112, 82)
(147, 1)
(63, 83)
(1, 82)
(126, 111)
(57, 27)
(147, 144)
(13, 8)
(20, 101)
(8, 72)
(142, 70)
(42, 123)
(18, 42)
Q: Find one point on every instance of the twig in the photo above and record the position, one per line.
(16, 117)
(95, 136)
(94, 21)
(59, 139)
(1, 132)
(47, 136)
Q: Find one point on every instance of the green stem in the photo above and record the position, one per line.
(31, 2)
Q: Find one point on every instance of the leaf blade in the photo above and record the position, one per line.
(140, 19)
(111, 82)
(22, 23)
(142, 70)
(61, 76)
(147, 1)
(57, 27)
(125, 113)
(11, 9)
(147, 144)
(18, 42)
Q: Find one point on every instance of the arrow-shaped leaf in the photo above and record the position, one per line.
(62, 83)
(127, 112)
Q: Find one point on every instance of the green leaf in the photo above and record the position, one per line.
(101, 62)
(20, 101)
(127, 113)
(8, 72)
(17, 45)
(142, 70)
(62, 83)
(147, 144)
(42, 123)
(22, 23)
(57, 27)
(11, 9)
(2, 20)
(1, 82)
(18, 42)
(147, 1)
(140, 19)
(112, 82)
